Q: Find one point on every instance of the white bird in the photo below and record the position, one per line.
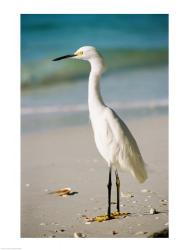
(113, 139)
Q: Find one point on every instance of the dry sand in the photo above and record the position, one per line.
(68, 158)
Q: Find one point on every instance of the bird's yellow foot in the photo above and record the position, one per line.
(105, 217)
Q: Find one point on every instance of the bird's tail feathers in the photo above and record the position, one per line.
(140, 173)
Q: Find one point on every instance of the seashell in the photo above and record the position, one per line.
(79, 235)
(114, 232)
(152, 211)
(145, 190)
(164, 202)
(62, 192)
(140, 233)
(127, 195)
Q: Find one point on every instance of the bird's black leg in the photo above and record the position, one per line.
(109, 191)
(118, 190)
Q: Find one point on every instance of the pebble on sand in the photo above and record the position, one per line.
(164, 202)
(127, 195)
(152, 211)
(145, 190)
(79, 235)
(140, 233)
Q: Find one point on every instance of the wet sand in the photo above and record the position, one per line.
(68, 157)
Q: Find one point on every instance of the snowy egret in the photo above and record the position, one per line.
(113, 139)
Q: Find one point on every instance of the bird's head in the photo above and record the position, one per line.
(87, 53)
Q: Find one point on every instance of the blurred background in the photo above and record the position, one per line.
(54, 94)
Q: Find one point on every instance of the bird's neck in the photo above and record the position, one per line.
(95, 101)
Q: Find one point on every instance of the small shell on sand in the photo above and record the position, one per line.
(152, 211)
(140, 233)
(79, 235)
(164, 202)
(62, 192)
(127, 195)
(145, 190)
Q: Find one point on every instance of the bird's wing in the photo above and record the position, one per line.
(129, 154)
(120, 131)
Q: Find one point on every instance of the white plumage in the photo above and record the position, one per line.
(113, 139)
(117, 145)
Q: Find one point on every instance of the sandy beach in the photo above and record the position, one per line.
(67, 157)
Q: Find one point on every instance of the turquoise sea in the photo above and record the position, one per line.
(54, 94)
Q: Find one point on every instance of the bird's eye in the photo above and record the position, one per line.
(79, 53)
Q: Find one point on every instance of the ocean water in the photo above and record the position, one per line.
(54, 94)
